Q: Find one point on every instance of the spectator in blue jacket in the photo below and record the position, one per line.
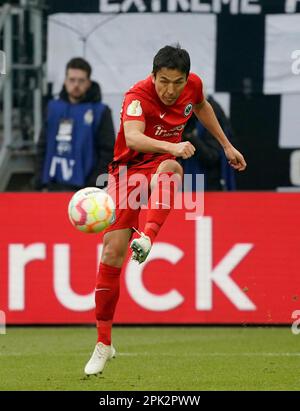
(77, 140)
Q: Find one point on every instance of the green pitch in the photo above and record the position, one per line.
(156, 358)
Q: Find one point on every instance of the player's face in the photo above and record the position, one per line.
(169, 84)
(77, 83)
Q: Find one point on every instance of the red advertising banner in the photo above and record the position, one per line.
(239, 263)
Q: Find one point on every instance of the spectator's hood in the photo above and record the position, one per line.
(93, 95)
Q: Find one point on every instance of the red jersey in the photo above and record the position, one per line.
(141, 103)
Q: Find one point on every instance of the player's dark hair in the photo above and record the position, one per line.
(172, 57)
(80, 64)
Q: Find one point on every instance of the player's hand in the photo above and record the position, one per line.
(235, 158)
(184, 150)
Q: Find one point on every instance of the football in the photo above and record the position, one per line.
(91, 210)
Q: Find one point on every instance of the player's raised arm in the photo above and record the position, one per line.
(205, 114)
(138, 141)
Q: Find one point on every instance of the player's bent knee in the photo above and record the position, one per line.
(170, 166)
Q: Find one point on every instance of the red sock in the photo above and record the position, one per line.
(106, 297)
(163, 193)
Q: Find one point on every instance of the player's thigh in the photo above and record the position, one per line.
(115, 244)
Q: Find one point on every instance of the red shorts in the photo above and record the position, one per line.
(129, 188)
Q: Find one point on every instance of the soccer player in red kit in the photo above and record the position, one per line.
(154, 113)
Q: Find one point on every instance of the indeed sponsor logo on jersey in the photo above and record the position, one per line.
(175, 131)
